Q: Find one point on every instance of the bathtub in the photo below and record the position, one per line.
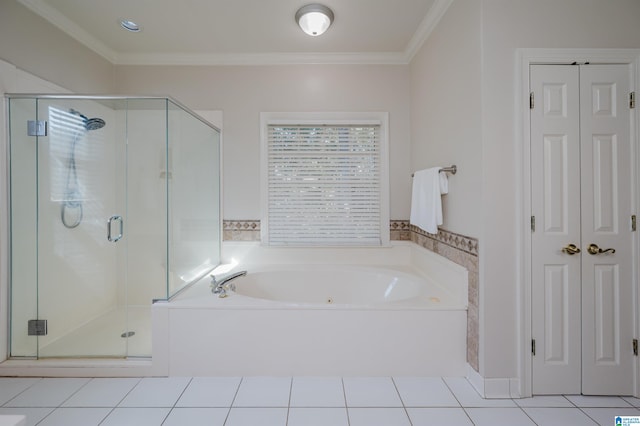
(323, 319)
(338, 287)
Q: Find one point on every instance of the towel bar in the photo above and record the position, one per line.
(453, 169)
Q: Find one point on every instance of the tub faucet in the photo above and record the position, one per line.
(223, 285)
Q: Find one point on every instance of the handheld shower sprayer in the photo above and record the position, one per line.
(72, 197)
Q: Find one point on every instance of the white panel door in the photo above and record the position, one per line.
(556, 276)
(582, 296)
(607, 267)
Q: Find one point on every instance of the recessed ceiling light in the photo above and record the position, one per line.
(129, 25)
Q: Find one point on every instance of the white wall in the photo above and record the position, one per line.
(508, 25)
(243, 92)
(465, 75)
(446, 125)
(33, 44)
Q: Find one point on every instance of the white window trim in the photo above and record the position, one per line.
(327, 118)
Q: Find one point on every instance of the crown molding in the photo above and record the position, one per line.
(70, 28)
(425, 28)
(299, 58)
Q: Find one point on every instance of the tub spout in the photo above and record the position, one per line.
(220, 287)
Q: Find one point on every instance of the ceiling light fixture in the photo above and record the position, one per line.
(129, 25)
(314, 19)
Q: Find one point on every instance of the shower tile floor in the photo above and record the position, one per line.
(297, 401)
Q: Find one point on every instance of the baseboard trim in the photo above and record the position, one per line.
(493, 388)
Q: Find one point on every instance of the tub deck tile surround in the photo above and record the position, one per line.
(359, 335)
(462, 250)
(458, 248)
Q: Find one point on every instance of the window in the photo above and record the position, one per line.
(325, 181)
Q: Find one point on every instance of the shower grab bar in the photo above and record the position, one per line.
(109, 226)
(453, 169)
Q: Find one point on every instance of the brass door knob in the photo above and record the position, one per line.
(594, 249)
(571, 249)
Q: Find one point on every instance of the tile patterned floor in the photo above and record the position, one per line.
(297, 401)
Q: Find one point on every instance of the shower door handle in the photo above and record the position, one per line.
(110, 222)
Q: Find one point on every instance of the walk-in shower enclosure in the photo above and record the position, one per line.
(114, 202)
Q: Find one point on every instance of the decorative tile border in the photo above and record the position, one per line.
(241, 225)
(458, 248)
(249, 230)
(457, 241)
(399, 230)
(241, 230)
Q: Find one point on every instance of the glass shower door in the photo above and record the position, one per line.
(94, 238)
(81, 231)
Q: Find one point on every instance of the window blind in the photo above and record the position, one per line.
(324, 185)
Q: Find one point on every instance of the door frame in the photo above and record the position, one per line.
(524, 59)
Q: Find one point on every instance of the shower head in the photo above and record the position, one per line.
(94, 123)
(90, 123)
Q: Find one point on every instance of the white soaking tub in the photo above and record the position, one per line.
(324, 319)
(318, 286)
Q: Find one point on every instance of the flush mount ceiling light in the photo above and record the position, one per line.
(129, 25)
(314, 19)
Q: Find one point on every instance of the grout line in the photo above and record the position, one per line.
(527, 414)
(22, 391)
(50, 412)
(452, 392)
(129, 392)
(586, 414)
(386, 407)
(404, 407)
(182, 393)
(62, 402)
(176, 401)
(346, 406)
(108, 414)
(76, 391)
(233, 400)
(317, 406)
(167, 416)
(289, 403)
(121, 399)
(464, 410)
(570, 402)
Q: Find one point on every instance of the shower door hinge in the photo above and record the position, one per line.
(635, 346)
(533, 347)
(37, 327)
(531, 101)
(533, 224)
(36, 128)
(633, 223)
(632, 100)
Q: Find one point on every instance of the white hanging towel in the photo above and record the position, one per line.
(426, 199)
